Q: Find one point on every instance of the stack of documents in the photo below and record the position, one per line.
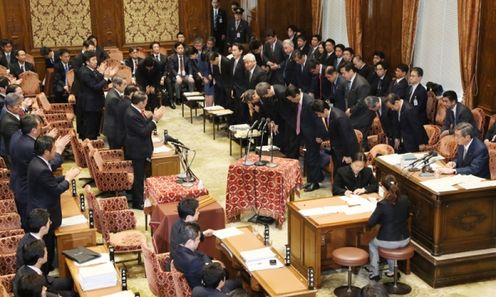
(213, 108)
(74, 220)
(324, 210)
(97, 276)
(446, 184)
(162, 149)
(358, 204)
(227, 232)
(260, 259)
(121, 294)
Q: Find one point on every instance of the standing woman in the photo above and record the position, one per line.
(392, 214)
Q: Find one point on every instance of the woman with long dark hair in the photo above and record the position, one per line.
(392, 214)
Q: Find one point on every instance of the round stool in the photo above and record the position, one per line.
(351, 257)
(403, 253)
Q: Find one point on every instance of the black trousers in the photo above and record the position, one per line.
(141, 169)
(78, 110)
(49, 240)
(91, 124)
(22, 211)
(312, 160)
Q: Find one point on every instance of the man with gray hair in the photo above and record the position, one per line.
(115, 109)
(471, 156)
(254, 74)
(289, 66)
(10, 121)
(377, 105)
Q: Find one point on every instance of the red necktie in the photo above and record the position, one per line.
(143, 114)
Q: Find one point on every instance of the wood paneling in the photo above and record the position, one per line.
(381, 21)
(486, 97)
(194, 18)
(15, 22)
(107, 22)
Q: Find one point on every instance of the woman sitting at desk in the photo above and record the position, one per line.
(392, 214)
(355, 178)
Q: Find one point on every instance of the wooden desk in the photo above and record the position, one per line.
(70, 237)
(166, 163)
(313, 238)
(73, 269)
(444, 225)
(284, 281)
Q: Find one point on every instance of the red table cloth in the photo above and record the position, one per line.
(260, 188)
(164, 189)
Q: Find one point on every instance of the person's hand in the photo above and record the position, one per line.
(421, 147)
(152, 90)
(445, 170)
(348, 193)
(275, 128)
(451, 164)
(72, 173)
(53, 133)
(208, 232)
(318, 140)
(148, 114)
(486, 141)
(348, 112)
(347, 160)
(359, 191)
(396, 143)
(158, 113)
(61, 143)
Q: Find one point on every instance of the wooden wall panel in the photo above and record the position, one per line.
(487, 63)
(107, 22)
(194, 20)
(15, 22)
(381, 21)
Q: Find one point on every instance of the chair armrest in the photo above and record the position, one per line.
(113, 203)
(50, 117)
(98, 143)
(117, 167)
(7, 282)
(62, 107)
(119, 220)
(7, 205)
(12, 232)
(4, 173)
(10, 221)
(112, 155)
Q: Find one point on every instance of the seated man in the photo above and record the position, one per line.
(180, 69)
(38, 224)
(355, 179)
(471, 157)
(213, 280)
(21, 65)
(188, 212)
(33, 285)
(35, 255)
(456, 112)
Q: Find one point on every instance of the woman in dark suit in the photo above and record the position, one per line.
(354, 179)
(392, 214)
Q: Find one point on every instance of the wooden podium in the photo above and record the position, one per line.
(454, 232)
(165, 161)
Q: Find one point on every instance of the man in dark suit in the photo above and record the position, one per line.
(303, 73)
(253, 73)
(22, 148)
(115, 107)
(417, 94)
(20, 65)
(91, 94)
(302, 44)
(45, 189)
(471, 157)
(10, 120)
(339, 62)
(180, 70)
(222, 78)
(148, 77)
(101, 54)
(357, 88)
(138, 146)
(133, 60)
(399, 85)
(213, 282)
(274, 55)
(307, 128)
(355, 179)
(38, 225)
(408, 132)
(456, 112)
(289, 66)
(362, 68)
(4, 83)
(336, 88)
(238, 30)
(380, 82)
(160, 58)
(329, 55)
(218, 22)
(377, 105)
(339, 131)
(34, 255)
(60, 86)
(237, 71)
(7, 57)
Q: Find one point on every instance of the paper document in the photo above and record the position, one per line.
(239, 127)
(188, 94)
(161, 149)
(104, 258)
(121, 294)
(97, 276)
(354, 200)
(263, 265)
(214, 107)
(393, 159)
(227, 232)
(370, 207)
(257, 254)
(477, 185)
(323, 210)
(74, 220)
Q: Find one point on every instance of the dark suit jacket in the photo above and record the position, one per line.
(380, 87)
(207, 292)
(365, 71)
(238, 77)
(329, 59)
(3, 59)
(476, 160)
(304, 77)
(91, 87)
(386, 118)
(59, 77)
(9, 125)
(304, 49)
(190, 264)
(220, 21)
(409, 128)
(138, 143)
(77, 63)
(22, 148)
(145, 77)
(345, 180)
(290, 70)
(243, 31)
(361, 116)
(463, 114)
(392, 218)
(45, 189)
(335, 92)
(25, 271)
(419, 102)
(129, 63)
(101, 54)
(276, 56)
(175, 236)
(223, 77)
(341, 134)
(115, 109)
(27, 238)
(163, 65)
(15, 69)
(310, 125)
(258, 76)
(400, 89)
(174, 65)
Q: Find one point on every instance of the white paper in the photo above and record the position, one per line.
(188, 94)
(97, 276)
(393, 159)
(239, 127)
(195, 98)
(266, 148)
(323, 210)
(161, 149)
(263, 265)
(214, 107)
(477, 185)
(156, 139)
(121, 294)
(74, 220)
(370, 207)
(257, 254)
(354, 200)
(104, 258)
(227, 232)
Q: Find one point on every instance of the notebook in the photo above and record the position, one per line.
(81, 254)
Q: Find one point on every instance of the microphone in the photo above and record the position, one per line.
(414, 163)
(253, 125)
(262, 120)
(432, 155)
(168, 138)
(267, 121)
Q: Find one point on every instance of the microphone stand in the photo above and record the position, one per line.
(250, 137)
(187, 180)
(271, 164)
(427, 169)
(261, 162)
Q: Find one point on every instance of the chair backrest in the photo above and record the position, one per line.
(6, 285)
(77, 150)
(49, 74)
(379, 149)
(91, 199)
(9, 244)
(70, 78)
(447, 147)
(10, 221)
(2, 163)
(431, 107)
(5, 190)
(376, 127)
(116, 54)
(492, 160)
(181, 284)
(30, 83)
(30, 59)
(88, 154)
(480, 120)
(433, 132)
(43, 101)
(160, 282)
(440, 113)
